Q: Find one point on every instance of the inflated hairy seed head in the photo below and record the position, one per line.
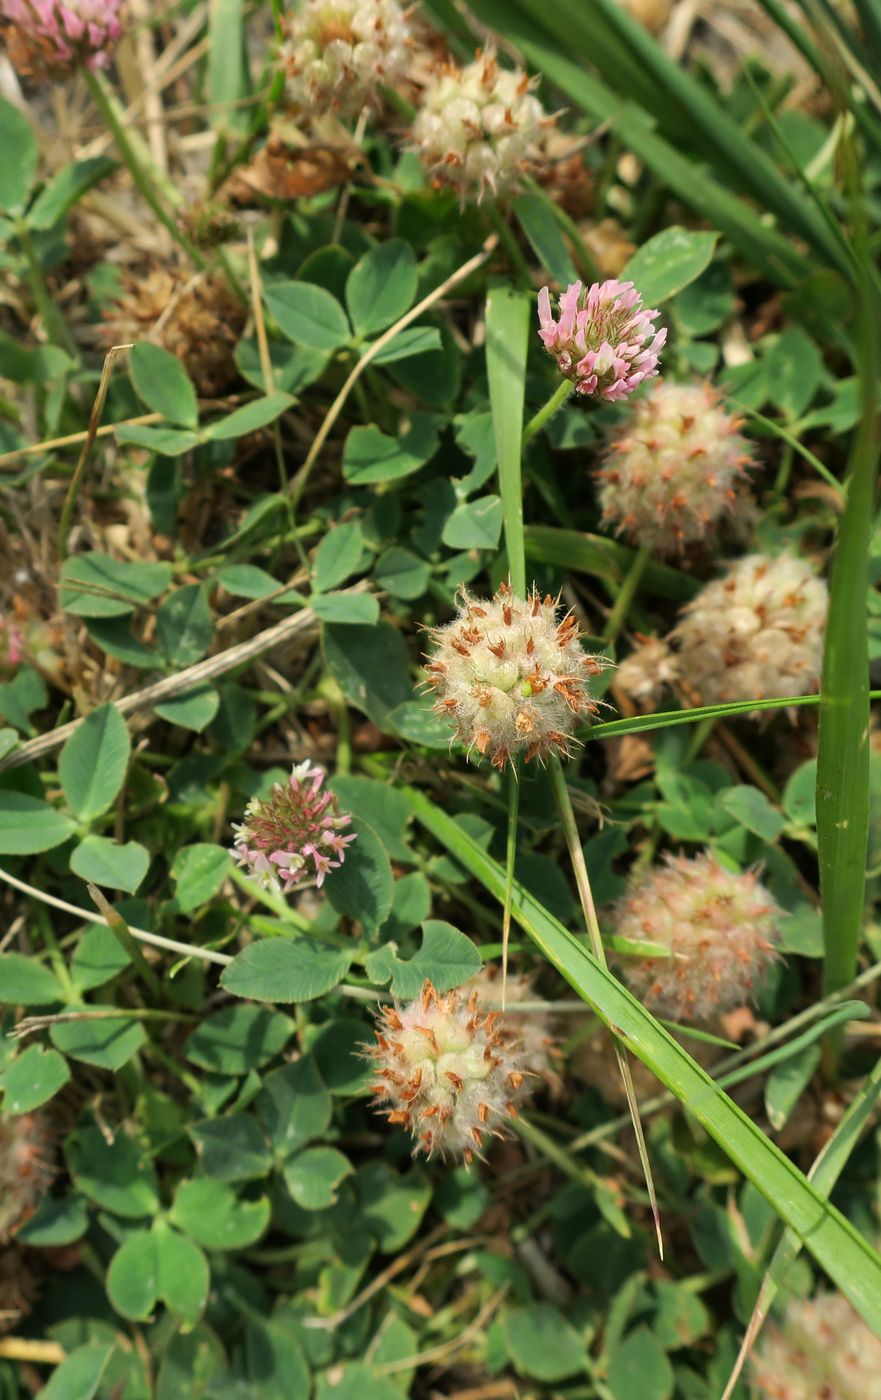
(511, 677)
(449, 1073)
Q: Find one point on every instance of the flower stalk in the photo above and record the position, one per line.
(588, 907)
(547, 411)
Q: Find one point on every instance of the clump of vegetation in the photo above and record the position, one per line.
(439, 794)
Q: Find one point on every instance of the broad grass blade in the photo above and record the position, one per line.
(843, 753)
(507, 331)
(824, 1174)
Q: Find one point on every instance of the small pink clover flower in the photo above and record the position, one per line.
(293, 834)
(66, 32)
(604, 340)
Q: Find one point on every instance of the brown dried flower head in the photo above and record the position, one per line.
(479, 128)
(647, 671)
(511, 676)
(18, 1285)
(675, 469)
(820, 1349)
(199, 322)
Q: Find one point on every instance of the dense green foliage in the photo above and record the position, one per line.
(331, 413)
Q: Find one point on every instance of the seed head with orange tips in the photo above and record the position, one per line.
(337, 54)
(511, 676)
(480, 128)
(448, 1072)
(531, 1031)
(721, 927)
(756, 632)
(675, 469)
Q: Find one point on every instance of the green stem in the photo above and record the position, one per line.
(585, 895)
(510, 860)
(508, 241)
(399, 103)
(232, 276)
(618, 616)
(843, 753)
(576, 855)
(555, 402)
(54, 323)
(76, 480)
(101, 97)
(339, 710)
(59, 966)
(553, 1152)
(843, 749)
(792, 442)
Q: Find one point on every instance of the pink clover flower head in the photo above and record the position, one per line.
(294, 833)
(605, 340)
(56, 35)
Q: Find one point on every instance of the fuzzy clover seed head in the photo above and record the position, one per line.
(604, 341)
(448, 1072)
(530, 1030)
(721, 928)
(52, 37)
(337, 53)
(675, 469)
(26, 1168)
(756, 633)
(511, 676)
(649, 669)
(479, 127)
(819, 1350)
(294, 833)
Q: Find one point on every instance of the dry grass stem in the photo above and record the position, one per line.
(301, 625)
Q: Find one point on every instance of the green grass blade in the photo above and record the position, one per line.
(824, 1174)
(605, 559)
(543, 231)
(843, 752)
(833, 1241)
(869, 12)
(585, 895)
(829, 69)
(666, 719)
(686, 112)
(709, 126)
(228, 80)
(507, 342)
